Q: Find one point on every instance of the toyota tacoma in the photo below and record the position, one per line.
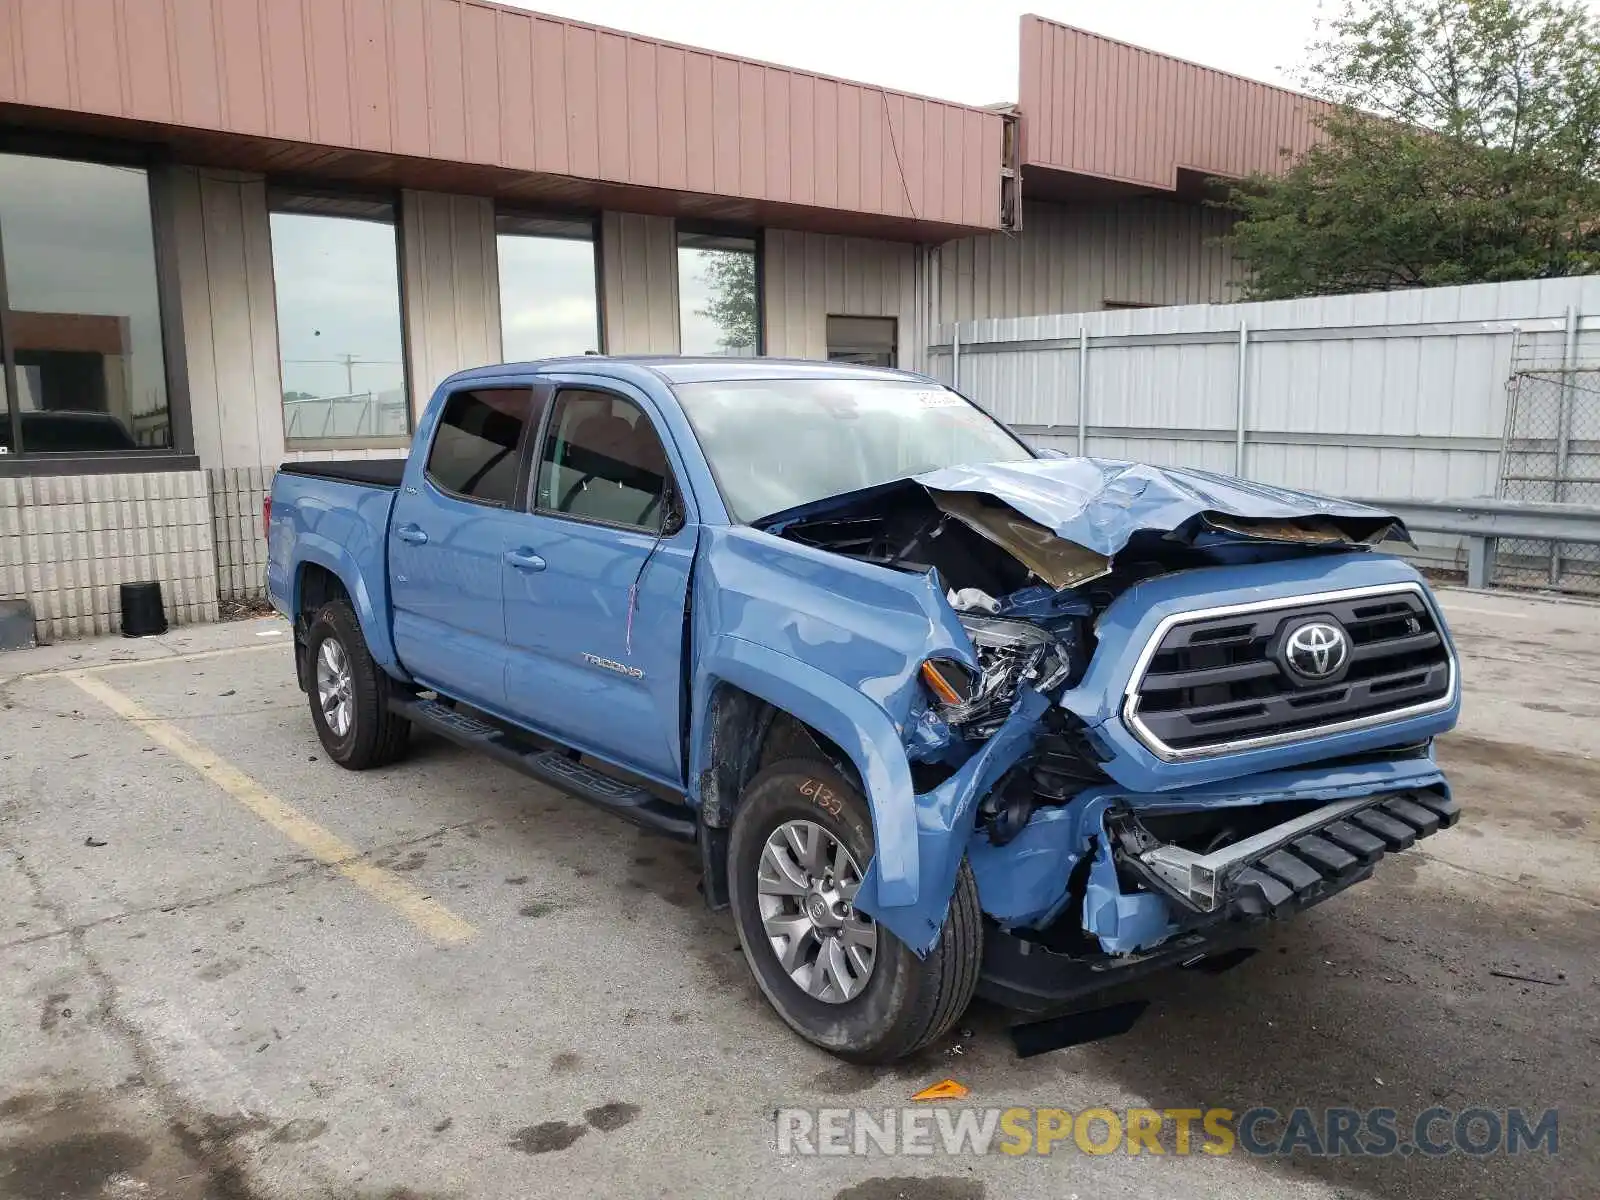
(944, 714)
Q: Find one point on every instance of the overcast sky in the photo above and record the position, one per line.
(963, 50)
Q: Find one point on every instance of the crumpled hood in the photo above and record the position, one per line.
(1100, 504)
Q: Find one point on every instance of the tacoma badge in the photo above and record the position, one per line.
(611, 664)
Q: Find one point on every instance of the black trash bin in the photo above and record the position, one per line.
(142, 611)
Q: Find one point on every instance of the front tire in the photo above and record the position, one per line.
(350, 693)
(800, 840)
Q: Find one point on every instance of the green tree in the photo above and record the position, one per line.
(1464, 147)
(731, 277)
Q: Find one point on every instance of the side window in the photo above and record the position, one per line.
(474, 453)
(602, 461)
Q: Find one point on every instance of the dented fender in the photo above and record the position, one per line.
(860, 728)
(945, 819)
(837, 644)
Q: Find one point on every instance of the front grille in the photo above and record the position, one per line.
(1218, 682)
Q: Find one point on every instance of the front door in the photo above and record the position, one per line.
(452, 525)
(596, 586)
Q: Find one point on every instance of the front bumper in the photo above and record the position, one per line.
(1268, 870)
(1224, 896)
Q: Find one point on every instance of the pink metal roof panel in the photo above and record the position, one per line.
(472, 82)
(1110, 110)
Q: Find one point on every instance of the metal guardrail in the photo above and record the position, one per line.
(1485, 521)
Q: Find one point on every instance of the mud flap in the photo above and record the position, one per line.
(1076, 1029)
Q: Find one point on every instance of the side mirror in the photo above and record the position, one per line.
(672, 519)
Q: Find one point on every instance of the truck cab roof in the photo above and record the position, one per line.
(675, 369)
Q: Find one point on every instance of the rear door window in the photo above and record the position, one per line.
(475, 449)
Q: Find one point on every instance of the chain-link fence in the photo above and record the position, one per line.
(1551, 455)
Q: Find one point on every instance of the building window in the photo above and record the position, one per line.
(86, 369)
(866, 341)
(719, 295)
(549, 301)
(336, 269)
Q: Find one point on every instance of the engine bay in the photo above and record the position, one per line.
(1028, 600)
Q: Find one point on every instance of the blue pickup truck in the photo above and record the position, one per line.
(944, 714)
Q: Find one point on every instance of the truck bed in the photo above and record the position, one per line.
(369, 472)
(334, 517)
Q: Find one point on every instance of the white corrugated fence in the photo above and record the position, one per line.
(1398, 395)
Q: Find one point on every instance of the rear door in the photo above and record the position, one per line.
(596, 582)
(453, 522)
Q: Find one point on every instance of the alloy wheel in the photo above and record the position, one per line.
(334, 691)
(806, 887)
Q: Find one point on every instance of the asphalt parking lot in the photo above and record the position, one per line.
(229, 969)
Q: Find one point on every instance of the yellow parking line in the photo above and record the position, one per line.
(425, 913)
(122, 664)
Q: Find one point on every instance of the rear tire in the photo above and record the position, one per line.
(904, 1002)
(350, 693)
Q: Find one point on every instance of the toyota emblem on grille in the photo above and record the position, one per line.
(1317, 650)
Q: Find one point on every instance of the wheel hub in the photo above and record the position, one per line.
(334, 692)
(805, 888)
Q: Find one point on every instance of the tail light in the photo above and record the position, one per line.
(266, 515)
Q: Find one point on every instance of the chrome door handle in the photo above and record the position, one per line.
(524, 559)
(412, 534)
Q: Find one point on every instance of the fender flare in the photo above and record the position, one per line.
(866, 734)
(314, 548)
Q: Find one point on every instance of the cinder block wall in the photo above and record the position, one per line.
(241, 544)
(68, 541)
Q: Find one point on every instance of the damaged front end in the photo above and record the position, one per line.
(1174, 880)
(1094, 849)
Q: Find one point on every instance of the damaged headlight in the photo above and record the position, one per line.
(1011, 654)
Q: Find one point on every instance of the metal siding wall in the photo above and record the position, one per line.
(465, 81)
(1099, 107)
(1397, 394)
(230, 329)
(812, 276)
(639, 273)
(230, 324)
(451, 284)
(1074, 258)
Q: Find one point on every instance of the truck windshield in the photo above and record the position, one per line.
(777, 443)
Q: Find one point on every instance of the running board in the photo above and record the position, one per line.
(550, 766)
